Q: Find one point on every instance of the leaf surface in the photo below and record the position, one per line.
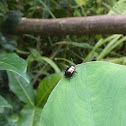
(29, 116)
(21, 88)
(4, 103)
(118, 8)
(12, 62)
(95, 96)
(45, 87)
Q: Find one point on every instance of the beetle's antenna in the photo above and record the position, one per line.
(72, 60)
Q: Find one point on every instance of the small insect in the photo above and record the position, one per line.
(70, 71)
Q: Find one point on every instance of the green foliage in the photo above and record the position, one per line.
(119, 8)
(29, 80)
(4, 121)
(20, 86)
(95, 96)
(11, 19)
(29, 116)
(12, 62)
(81, 2)
(3, 103)
(45, 88)
(114, 42)
(37, 57)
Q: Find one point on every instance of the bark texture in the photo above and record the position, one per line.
(104, 24)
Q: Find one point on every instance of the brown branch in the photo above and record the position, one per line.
(104, 24)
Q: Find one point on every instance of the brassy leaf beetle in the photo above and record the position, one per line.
(70, 71)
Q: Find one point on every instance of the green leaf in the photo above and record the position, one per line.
(4, 121)
(81, 2)
(95, 96)
(29, 116)
(12, 62)
(7, 42)
(46, 59)
(118, 8)
(109, 39)
(49, 61)
(76, 44)
(34, 52)
(21, 88)
(45, 87)
(4, 103)
(110, 46)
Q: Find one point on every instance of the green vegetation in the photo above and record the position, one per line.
(31, 66)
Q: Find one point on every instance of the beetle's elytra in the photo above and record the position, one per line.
(70, 72)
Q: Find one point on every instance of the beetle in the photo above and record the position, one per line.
(70, 71)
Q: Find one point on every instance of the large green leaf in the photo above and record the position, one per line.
(4, 103)
(45, 87)
(12, 62)
(29, 116)
(21, 88)
(95, 96)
